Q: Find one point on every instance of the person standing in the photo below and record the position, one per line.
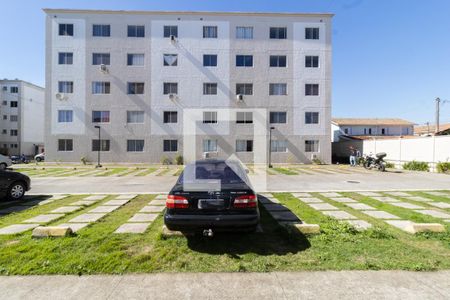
(352, 157)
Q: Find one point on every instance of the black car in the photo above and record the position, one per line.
(13, 185)
(212, 195)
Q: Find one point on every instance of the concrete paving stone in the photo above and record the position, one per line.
(440, 204)
(339, 214)
(344, 200)
(386, 199)
(12, 209)
(434, 213)
(116, 202)
(125, 197)
(370, 194)
(58, 197)
(51, 231)
(74, 226)
(158, 202)
(407, 205)
(132, 228)
(419, 199)
(331, 194)
(87, 218)
(360, 206)
(400, 224)
(46, 201)
(152, 209)
(322, 206)
(302, 195)
(267, 200)
(284, 216)
(399, 194)
(104, 209)
(161, 197)
(359, 225)
(440, 194)
(95, 197)
(45, 218)
(448, 221)
(275, 207)
(378, 214)
(425, 227)
(65, 209)
(83, 202)
(311, 200)
(143, 218)
(17, 228)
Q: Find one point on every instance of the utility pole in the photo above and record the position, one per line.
(438, 101)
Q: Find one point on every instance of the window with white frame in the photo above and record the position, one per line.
(101, 87)
(209, 145)
(311, 61)
(135, 59)
(170, 30)
(4, 131)
(65, 116)
(65, 87)
(170, 117)
(210, 32)
(101, 30)
(209, 88)
(14, 89)
(100, 116)
(210, 117)
(210, 60)
(101, 59)
(13, 104)
(279, 33)
(311, 89)
(170, 145)
(278, 117)
(135, 116)
(279, 146)
(65, 58)
(13, 118)
(311, 33)
(244, 32)
(311, 146)
(136, 31)
(13, 132)
(135, 145)
(244, 88)
(244, 117)
(277, 89)
(135, 88)
(244, 145)
(170, 88)
(170, 59)
(100, 145)
(244, 60)
(66, 29)
(279, 61)
(311, 117)
(65, 145)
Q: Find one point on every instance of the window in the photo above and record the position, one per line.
(346, 130)
(210, 117)
(311, 90)
(4, 131)
(13, 118)
(101, 59)
(370, 130)
(101, 87)
(210, 32)
(170, 146)
(135, 145)
(5, 117)
(100, 145)
(66, 29)
(279, 33)
(244, 88)
(99, 116)
(210, 88)
(5, 102)
(135, 116)
(278, 146)
(311, 146)
(278, 61)
(210, 60)
(13, 104)
(383, 130)
(14, 89)
(311, 117)
(311, 61)
(277, 117)
(244, 145)
(170, 30)
(14, 146)
(209, 145)
(244, 117)
(65, 145)
(65, 116)
(101, 30)
(65, 87)
(170, 59)
(135, 59)
(170, 88)
(170, 117)
(244, 60)
(136, 31)
(279, 89)
(244, 33)
(312, 33)
(13, 132)
(65, 58)
(135, 88)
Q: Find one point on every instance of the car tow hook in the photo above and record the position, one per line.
(208, 233)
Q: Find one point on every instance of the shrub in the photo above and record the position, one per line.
(166, 160)
(443, 167)
(390, 165)
(84, 160)
(416, 166)
(317, 161)
(179, 160)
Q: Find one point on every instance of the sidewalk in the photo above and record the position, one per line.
(302, 285)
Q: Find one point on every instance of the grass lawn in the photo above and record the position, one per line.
(96, 249)
(285, 171)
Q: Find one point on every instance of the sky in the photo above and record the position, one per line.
(391, 58)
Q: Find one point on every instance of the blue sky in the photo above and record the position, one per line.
(391, 58)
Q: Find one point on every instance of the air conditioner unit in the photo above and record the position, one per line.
(104, 69)
(61, 96)
(173, 39)
(239, 98)
(172, 97)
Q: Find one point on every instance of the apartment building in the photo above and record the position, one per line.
(156, 83)
(21, 117)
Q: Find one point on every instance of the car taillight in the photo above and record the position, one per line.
(174, 201)
(246, 201)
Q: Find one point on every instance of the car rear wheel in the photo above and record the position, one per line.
(16, 191)
(38, 159)
(2, 166)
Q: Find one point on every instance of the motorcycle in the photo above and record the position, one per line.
(371, 161)
(19, 159)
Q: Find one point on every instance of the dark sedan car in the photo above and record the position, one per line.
(212, 195)
(13, 185)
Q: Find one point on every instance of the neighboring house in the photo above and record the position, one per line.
(22, 117)
(142, 75)
(424, 130)
(355, 128)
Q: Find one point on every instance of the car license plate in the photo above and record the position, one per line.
(210, 203)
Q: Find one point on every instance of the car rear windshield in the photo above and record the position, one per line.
(226, 173)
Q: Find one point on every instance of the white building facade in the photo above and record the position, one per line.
(136, 74)
(22, 117)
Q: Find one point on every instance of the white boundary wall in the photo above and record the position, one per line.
(400, 150)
